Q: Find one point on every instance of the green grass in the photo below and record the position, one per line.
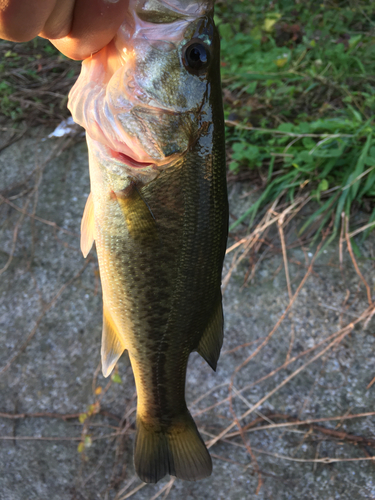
(299, 88)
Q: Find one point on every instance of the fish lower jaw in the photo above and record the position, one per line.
(129, 161)
(151, 165)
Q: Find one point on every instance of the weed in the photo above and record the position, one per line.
(299, 93)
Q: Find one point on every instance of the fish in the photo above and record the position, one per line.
(151, 104)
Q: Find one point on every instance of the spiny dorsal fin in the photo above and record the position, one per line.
(112, 346)
(212, 339)
(87, 227)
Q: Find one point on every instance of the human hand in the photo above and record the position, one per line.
(77, 28)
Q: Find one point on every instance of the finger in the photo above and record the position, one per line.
(22, 20)
(95, 23)
(59, 23)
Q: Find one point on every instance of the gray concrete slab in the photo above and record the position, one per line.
(50, 327)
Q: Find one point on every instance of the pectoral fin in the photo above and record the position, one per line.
(212, 339)
(112, 346)
(87, 227)
(138, 215)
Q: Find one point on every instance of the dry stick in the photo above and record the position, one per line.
(339, 424)
(281, 132)
(219, 457)
(344, 436)
(44, 311)
(41, 438)
(14, 239)
(301, 422)
(23, 210)
(96, 468)
(280, 223)
(247, 444)
(131, 493)
(40, 219)
(166, 488)
(203, 396)
(348, 242)
(291, 302)
(241, 346)
(267, 222)
(368, 320)
(286, 267)
(237, 244)
(345, 332)
(279, 368)
(326, 460)
(14, 138)
(231, 269)
(16, 416)
(280, 220)
(251, 243)
(270, 374)
(248, 243)
(363, 228)
(57, 438)
(370, 384)
(254, 236)
(95, 377)
(290, 361)
(114, 479)
(126, 487)
(307, 399)
(250, 275)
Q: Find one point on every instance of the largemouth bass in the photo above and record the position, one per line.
(151, 105)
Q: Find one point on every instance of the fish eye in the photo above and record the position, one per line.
(196, 56)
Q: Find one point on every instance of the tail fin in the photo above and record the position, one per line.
(177, 450)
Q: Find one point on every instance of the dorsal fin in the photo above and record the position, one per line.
(87, 227)
(112, 346)
(212, 338)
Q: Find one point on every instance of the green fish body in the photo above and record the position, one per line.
(158, 213)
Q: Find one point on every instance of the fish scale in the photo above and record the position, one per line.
(158, 213)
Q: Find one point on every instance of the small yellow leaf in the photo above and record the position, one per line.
(81, 447)
(270, 22)
(98, 390)
(281, 62)
(82, 417)
(93, 409)
(88, 442)
(116, 378)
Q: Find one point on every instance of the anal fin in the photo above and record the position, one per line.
(112, 346)
(212, 339)
(87, 227)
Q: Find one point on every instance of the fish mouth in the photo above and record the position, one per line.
(128, 160)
